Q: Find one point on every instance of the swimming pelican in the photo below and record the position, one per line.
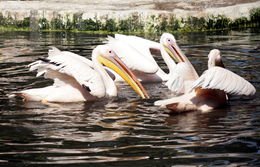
(144, 68)
(170, 50)
(210, 90)
(79, 79)
(137, 53)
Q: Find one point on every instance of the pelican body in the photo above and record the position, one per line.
(137, 54)
(210, 90)
(79, 79)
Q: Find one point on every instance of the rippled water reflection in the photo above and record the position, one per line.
(126, 130)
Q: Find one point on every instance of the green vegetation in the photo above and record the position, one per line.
(135, 23)
(255, 17)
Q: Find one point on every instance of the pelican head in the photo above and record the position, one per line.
(215, 59)
(170, 45)
(107, 57)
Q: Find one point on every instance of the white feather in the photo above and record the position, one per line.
(223, 79)
(145, 47)
(180, 79)
(133, 58)
(140, 44)
(73, 65)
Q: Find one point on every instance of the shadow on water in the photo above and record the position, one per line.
(126, 130)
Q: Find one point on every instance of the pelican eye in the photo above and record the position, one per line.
(86, 87)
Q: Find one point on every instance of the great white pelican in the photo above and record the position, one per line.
(207, 92)
(137, 53)
(79, 79)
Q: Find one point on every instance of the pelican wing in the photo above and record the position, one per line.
(54, 52)
(147, 47)
(63, 63)
(180, 79)
(176, 84)
(144, 46)
(133, 58)
(223, 79)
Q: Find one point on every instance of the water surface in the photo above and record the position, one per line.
(126, 130)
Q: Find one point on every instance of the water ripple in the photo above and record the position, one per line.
(126, 130)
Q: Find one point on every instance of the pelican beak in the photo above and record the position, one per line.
(174, 51)
(114, 63)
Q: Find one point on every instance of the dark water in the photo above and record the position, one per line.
(126, 130)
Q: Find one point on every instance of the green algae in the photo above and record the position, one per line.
(133, 24)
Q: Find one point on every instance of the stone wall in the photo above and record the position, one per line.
(131, 15)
